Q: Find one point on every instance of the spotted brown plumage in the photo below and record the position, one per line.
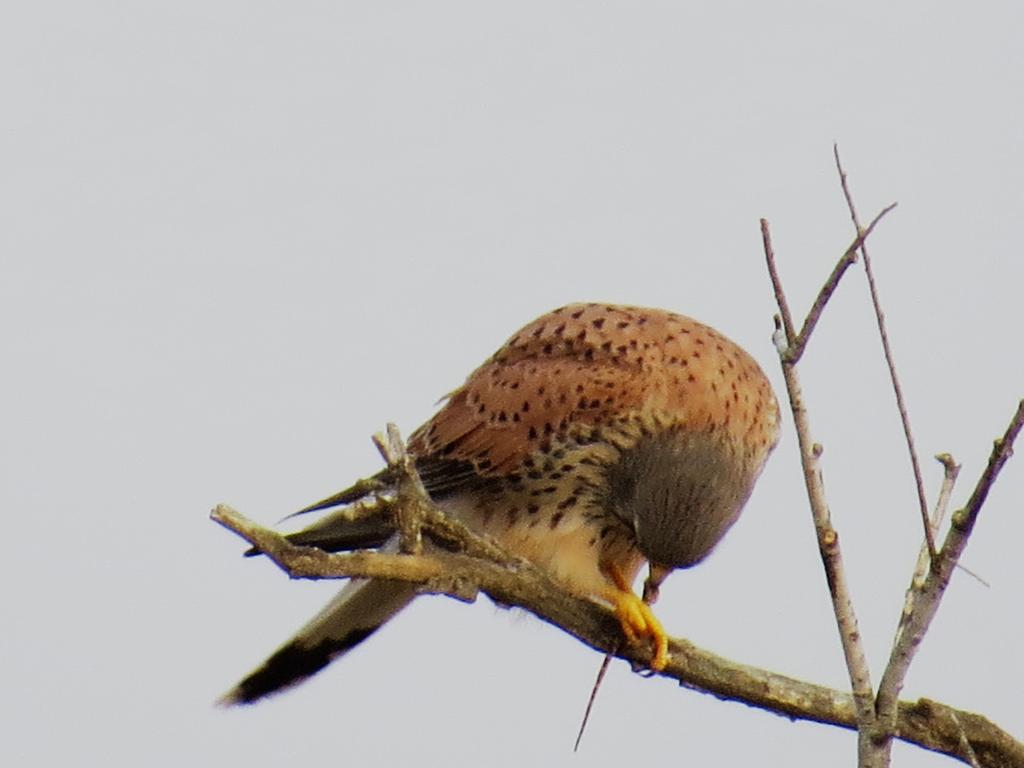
(595, 440)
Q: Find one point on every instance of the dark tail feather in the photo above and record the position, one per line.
(340, 533)
(358, 611)
(350, 495)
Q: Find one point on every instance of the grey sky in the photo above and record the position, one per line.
(240, 237)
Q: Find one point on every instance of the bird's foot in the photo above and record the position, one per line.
(637, 620)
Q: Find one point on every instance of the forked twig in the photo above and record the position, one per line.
(828, 539)
(797, 343)
(848, 258)
(929, 597)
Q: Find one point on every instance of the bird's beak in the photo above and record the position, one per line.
(656, 575)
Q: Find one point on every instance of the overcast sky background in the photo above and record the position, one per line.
(240, 237)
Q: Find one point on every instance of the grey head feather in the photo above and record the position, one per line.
(679, 492)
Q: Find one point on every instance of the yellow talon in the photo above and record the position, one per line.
(637, 620)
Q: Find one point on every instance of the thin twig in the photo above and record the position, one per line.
(964, 519)
(974, 575)
(780, 294)
(890, 362)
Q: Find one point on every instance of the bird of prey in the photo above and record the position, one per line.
(598, 439)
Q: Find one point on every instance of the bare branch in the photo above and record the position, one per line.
(931, 592)
(928, 724)
(828, 538)
(964, 519)
(901, 404)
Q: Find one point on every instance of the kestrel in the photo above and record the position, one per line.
(598, 439)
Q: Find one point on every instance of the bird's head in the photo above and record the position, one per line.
(680, 491)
